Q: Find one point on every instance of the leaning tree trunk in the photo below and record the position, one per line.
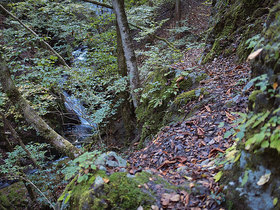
(32, 117)
(127, 43)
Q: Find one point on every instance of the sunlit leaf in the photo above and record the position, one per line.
(245, 178)
(218, 176)
(264, 179)
(275, 201)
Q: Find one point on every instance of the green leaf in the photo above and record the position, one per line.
(265, 115)
(237, 157)
(245, 179)
(222, 124)
(68, 197)
(265, 144)
(252, 119)
(249, 142)
(228, 134)
(218, 176)
(83, 178)
(275, 144)
(275, 201)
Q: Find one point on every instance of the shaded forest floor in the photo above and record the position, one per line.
(185, 152)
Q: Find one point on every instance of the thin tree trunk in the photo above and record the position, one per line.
(32, 117)
(126, 108)
(130, 57)
(178, 11)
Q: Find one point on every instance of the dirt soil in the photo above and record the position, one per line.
(185, 152)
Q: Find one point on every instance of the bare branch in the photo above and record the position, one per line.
(157, 37)
(18, 139)
(99, 4)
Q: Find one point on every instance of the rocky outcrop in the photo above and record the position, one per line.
(251, 170)
(233, 23)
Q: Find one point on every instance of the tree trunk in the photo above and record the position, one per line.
(127, 43)
(127, 110)
(32, 117)
(178, 11)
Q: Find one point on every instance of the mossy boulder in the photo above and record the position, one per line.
(14, 196)
(244, 186)
(119, 190)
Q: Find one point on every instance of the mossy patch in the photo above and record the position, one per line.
(158, 95)
(233, 19)
(186, 97)
(14, 196)
(119, 192)
(253, 95)
(124, 193)
(159, 90)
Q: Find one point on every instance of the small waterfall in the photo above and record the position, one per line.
(86, 127)
(80, 55)
(73, 104)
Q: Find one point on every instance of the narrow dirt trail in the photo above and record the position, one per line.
(184, 152)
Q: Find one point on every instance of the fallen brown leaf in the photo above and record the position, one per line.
(175, 198)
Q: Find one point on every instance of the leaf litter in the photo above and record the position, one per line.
(184, 152)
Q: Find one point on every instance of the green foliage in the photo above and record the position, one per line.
(82, 165)
(260, 129)
(144, 17)
(159, 56)
(18, 164)
(254, 41)
(12, 167)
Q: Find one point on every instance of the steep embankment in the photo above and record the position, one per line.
(186, 150)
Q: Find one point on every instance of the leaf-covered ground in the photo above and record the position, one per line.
(185, 152)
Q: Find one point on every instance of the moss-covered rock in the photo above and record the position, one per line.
(188, 96)
(243, 187)
(14, 197)
(157, 97)
(233, 23)
(118, 191)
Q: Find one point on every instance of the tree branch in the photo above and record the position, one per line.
(99, 4)
(18, 139)
(62, 61)
(157, 37)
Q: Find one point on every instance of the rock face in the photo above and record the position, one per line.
(233, 23)
(160, 105)
(251, 179)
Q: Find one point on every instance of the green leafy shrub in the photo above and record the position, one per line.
(82, 165)
(47, 179)
(260, 128)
